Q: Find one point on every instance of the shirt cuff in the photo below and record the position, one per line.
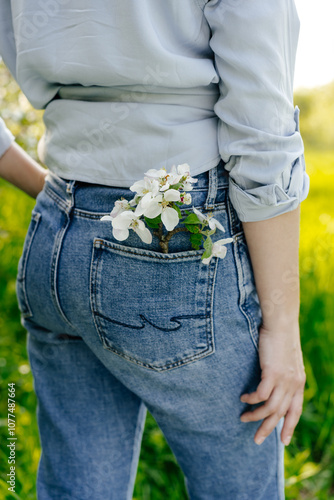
(267, 201)
(6, 138)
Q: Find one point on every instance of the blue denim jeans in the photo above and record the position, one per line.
(116, 328)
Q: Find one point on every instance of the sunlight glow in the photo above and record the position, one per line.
(314, 63)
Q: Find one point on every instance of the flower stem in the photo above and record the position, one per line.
(164, 239)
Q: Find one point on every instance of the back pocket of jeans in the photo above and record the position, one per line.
(150, 308)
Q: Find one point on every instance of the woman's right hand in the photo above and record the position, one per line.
(282, 382)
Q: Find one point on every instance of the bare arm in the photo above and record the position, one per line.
(18, 168)
(274, 250)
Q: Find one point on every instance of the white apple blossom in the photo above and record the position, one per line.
(146, 189)
(218, 250)
(160, 205)
(172, 195)
(186, 198)
(154, 197)
(184, 171)
(166, 180)
(120, 206)
(213, 223)
(129, 220)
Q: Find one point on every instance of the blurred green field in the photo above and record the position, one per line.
(309, 458)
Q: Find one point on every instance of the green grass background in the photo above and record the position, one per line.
(309, 460)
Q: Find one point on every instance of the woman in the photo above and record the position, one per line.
(213, 351)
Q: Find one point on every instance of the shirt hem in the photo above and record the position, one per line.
(122, 183)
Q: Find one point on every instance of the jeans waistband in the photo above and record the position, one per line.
(64, 191)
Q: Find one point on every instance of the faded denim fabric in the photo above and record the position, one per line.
(116, 328)
(128, 87)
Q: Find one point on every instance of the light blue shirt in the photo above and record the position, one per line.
(128, 86)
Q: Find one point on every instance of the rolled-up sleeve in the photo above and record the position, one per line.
(254, 45)
(6, 137)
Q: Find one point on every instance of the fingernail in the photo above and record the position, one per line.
(259, 440)
(243, 399)
(287, 440)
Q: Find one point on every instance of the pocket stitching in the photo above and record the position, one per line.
(142, 252)
(21, 277)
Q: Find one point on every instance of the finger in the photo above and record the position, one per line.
(262, 392)
(278, 402)
(266, 428)
(269, 423)
(292, 417)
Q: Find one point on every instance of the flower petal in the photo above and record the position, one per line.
(146, 199)
(220, 251)
(123, 220)
(216, 224)
(207, 260)
(153, 210)
(152, 172)
(172, 195)
(144, 234)
(224, 241)
(107, 217)
(120, 234)
(183, 169)
(138, 186)
(164, 187)
(170, 218)
(139, 210)
(199, 214)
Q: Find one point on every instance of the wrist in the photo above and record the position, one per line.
(287, 322)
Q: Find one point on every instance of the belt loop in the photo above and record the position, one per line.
(212, 188)
(70, 187)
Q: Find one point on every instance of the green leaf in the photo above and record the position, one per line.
(176, 186)
(153, 223)
(192, 219)
(196, 240)
(206, 254)
(192, 228)
(208, 245)
(178, 210)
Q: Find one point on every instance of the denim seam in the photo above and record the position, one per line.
(36, 217)
(60, 202)
(93, 292)
(136, 443)
(54, 268)
(210, 290)
(232, 216)
(99, 327)
(277, 464)
(242, 302)
(279, 472)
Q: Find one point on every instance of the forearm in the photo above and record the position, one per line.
(18, 168)
(274, 250)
